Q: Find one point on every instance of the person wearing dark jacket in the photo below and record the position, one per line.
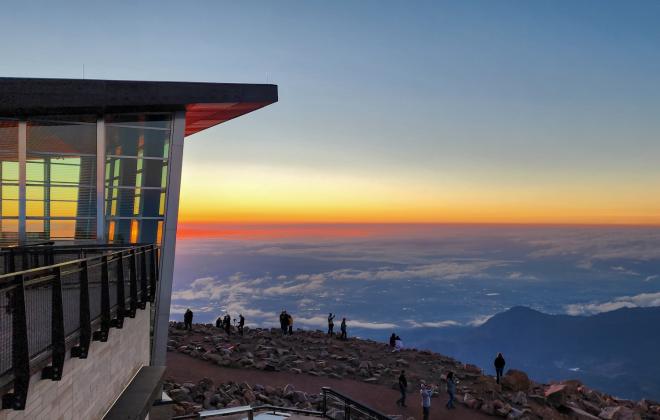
(499, 366)
(284, 321)
(403, 388)
(392, 340)
(343, 329)
(241, 323)
(227, 324)
(187, 319)
(331, 324)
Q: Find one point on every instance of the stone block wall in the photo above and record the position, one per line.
(90, 386)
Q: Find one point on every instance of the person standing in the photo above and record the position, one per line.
(284, 321)
(392, 340)
(343, 329)
(426, 391)
(403, 388)
(499, 366)
(227, 324)
(331, 324)
(241, 324)
(451, 390)
(187, 319)
(290, 323)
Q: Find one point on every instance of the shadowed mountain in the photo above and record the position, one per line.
(616, 351)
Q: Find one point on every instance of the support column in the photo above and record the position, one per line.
(22, 158)
(164, 292)
(100, 180)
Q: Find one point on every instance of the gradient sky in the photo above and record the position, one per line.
(464, 111)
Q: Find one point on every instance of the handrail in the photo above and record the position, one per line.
(247, 409)
(51, 309)
(350, 404)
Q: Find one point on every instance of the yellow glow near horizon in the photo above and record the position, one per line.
(258, 194)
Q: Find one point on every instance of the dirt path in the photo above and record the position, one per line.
(182, 368)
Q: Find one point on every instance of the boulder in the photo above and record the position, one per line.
(581, 414)
(556, 394)
(619, 413)
(519, 398)
(516, 380)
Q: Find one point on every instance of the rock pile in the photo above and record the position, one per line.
(314, 353)
(205, 395)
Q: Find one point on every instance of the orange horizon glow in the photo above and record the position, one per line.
(276, 195)
(242, 231)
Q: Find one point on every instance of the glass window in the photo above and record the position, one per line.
(8, 181)
(137, 148)
(61, 177)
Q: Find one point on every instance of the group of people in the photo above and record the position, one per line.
(286, 322)
(427, 390)
(396, 344)
(225, 323)
(331, 326)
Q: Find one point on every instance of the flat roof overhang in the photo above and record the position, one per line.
(206, 104)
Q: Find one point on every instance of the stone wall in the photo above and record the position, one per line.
(90, 386)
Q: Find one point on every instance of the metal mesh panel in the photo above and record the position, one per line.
(112, 280)
(38, 305)
(6, 330)
(127, 277)
(71, 301)
(94, 281)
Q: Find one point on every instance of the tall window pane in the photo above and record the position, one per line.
(8, 181)
(137, 151)
(61, 177)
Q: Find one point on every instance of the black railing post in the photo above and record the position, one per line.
(102, 334)
(12, 261)
(153, 261)
(54, 371)
(82, 348)
(20, 352)
(118, 322)
(325, 401)
(133, 283)
(144, 294)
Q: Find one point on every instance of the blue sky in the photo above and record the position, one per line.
(527, 99)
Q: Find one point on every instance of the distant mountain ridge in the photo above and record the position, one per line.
(615, 351)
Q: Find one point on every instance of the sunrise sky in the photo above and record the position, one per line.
(477, 111)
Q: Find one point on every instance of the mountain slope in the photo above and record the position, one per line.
(615, 351)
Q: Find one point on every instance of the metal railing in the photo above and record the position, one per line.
(338, 405)
(335, 405)
(250, 411)
(59, 299)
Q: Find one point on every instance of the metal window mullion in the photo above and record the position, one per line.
(166, 259)
(100, 179)
(22, 175)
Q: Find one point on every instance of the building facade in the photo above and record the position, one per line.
(90, 162)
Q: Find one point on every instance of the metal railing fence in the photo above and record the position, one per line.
(59, 299)
(338, 405)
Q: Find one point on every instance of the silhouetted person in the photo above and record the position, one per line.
(451, 389)
(343, 329)
(499, 366)
(426, 391)
(392, 340)
(227, 324)
(290, 323)
(398, 344)
(187, 319)
(331, 324)
(241, 324)
(284, 321)
(403, 388)
(219, 323)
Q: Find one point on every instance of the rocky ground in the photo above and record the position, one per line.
(313, 357)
